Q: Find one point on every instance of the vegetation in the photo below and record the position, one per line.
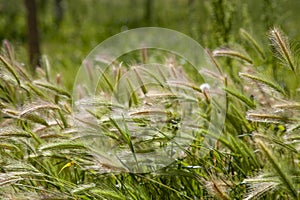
(66, 39)
(41, 157)
(256, 156)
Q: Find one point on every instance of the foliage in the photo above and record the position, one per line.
(87, 23)
(257, 155)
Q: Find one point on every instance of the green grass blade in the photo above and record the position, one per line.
(282, 174)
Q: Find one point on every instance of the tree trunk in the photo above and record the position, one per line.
(59, 12)
(148, 11)
(33, 34)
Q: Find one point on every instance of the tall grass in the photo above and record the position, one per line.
(256, 156)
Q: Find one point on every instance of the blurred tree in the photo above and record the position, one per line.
(148, 11)
(59, 12)
(33, 34)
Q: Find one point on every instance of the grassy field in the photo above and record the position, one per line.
(85, 24)
(47, 153)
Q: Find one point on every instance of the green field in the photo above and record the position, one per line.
(53, 135)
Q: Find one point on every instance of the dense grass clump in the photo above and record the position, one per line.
(256, 156)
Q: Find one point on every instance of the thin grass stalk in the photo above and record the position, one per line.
(283, 176)
(53, 88)
(36, 90)
(133, 97)
(47, 67)
(165, 186)
(241, 97)
(34, 108)
(140, 80)
(126, 136)
(232, 54)
(282, 46)
(215, 62)
(264, 81)
(218, 191)
(10, 69)
(290, 105)
(61, 145)
(269, 118)
(252, 41)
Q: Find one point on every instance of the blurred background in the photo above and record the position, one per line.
(67, 30)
